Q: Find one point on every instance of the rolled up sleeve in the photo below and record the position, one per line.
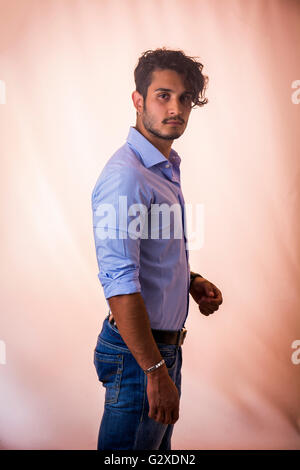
(116, 243)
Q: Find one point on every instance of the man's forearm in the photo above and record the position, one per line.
(130, 314)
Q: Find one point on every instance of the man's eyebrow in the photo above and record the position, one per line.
(169, 89)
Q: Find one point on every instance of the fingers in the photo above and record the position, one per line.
(209, 305)
(171, 417)
(210, 301)
(175, 416)
(160, 416)
(164, 416)
(216, 300)
(163, 400)
(218, 296)
(208, 309)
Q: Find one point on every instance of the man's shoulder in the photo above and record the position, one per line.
(123, 160)
(124, 168)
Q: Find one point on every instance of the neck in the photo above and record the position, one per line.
(164, 146)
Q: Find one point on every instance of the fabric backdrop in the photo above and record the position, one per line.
(66, 78)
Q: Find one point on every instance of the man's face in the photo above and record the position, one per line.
(167, 100)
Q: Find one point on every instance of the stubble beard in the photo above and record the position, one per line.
(148, 124)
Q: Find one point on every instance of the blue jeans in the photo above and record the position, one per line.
(125, 423)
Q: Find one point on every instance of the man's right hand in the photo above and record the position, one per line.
(131, 316)
(163, 397)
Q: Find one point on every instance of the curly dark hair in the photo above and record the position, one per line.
(161, 59)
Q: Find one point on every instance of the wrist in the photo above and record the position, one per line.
(158, 373)
(193, 276)
(154, 367)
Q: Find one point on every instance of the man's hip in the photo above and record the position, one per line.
(170, 337)
(125, 423)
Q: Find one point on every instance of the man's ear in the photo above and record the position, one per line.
(138, 101)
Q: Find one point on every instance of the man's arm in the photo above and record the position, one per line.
(119, 263)
(132, 319)
(133, 323)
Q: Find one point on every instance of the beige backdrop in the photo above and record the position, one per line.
(66, 77)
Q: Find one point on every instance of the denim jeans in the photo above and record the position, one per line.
(125, 423)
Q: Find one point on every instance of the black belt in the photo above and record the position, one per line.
(165, 336)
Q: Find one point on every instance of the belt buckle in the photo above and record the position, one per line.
(182, 335)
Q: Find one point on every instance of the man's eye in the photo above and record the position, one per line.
(163, 94)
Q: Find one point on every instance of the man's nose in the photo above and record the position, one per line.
(175, 108)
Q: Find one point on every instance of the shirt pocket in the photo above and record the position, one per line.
(109, 368)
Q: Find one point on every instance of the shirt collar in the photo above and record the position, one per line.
(148, 152)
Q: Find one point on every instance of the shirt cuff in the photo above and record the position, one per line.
(119, 286)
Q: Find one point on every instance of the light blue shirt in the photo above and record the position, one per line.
(152, 262)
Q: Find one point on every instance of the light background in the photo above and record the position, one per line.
(68, 72)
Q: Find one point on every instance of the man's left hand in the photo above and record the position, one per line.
(206, 295)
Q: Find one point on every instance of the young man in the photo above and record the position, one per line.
(146, 277)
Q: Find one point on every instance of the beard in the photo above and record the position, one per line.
(149, 125)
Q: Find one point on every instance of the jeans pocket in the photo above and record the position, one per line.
(109, 368)
(169, 355)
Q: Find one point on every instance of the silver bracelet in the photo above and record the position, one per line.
(154, 367)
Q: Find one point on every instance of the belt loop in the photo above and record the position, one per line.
(182, 335)
(178, 339)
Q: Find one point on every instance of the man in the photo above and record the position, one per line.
(146, 279)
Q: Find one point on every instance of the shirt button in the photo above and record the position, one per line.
(167, 165)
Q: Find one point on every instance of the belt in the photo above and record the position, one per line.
(170, 337)
(165, 336)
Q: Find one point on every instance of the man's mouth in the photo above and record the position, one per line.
(176, 123)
